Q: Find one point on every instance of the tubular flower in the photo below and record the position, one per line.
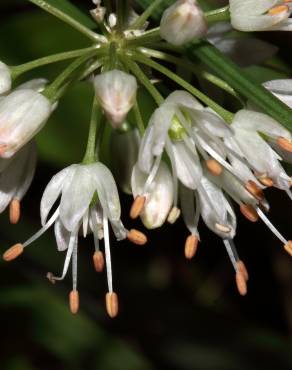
(264, 15)
(182, 22)
(16, 175)
(22, 114)
(116, 93)
(89, 201)
(5, 78)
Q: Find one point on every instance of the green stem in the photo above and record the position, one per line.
(241, 82)
(51, 91)
(143, 79)
(196, 70)
(90, 154)
(139, 23)
(69, 20)
(139, 119)
(22, 68)
(226, 115)
(147, 37)
(218, 15)
(122, 13)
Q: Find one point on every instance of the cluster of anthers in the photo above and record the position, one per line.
(190, 158)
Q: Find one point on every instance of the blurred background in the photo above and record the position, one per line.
(174, 314)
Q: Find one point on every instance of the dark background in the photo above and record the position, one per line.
(174, 314)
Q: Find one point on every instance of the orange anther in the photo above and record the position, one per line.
(241, 268)
(285, 144)
(288, 247)
(98, 261)
(214, 167)
(191, 246)
(137, 237)
(14, 211)
(278, 9)
(241, 283)
(112, 304)
(252, 187)
(13, 252)
(137, 206)
(74, 301)
(249, 212)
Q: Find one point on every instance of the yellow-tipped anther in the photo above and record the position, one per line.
(267, 181)
(252, 187)
(214, 167)
(98, 261)
(249, 212)
(191, 246)
(137, 237)
(243, 270)
(112, 304)
(241, 283)
(288, 247)
(285, 144)
(74, 301)
(173, 215)
(278, 9)
(13, 252)
(137, 206)
(223, 228)
(14, 211)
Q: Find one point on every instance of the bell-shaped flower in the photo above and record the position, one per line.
(22, 114)
(158, 196)
(182, 22)
(89, 200)
(16, 175)
(5, 78)
(264, 15)
(282, 89)
(116, 92)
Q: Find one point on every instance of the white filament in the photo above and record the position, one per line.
(107, 255)
(230, 252)
(174, 171)
(74, 264)
(271, 226)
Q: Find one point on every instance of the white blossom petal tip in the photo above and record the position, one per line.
(5, 78)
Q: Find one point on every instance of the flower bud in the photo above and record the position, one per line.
(5, 78)
(124, 148)
(22, 114)
(182, 22)
(159, 198)
(116, 92)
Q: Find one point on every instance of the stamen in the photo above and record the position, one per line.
(191, 246)
(108, 255)
(249, 212)
(98, 261)
(223, 228)
(173, 215)
(231, 253)
(253, 189)
(14, 211)
(241, 283)
(271, 226)
(74, 266)
(137, 237)
(170, 153)
(112, 304)
(214, 167)
(137, 206)
(50, 277)
(13, 252)
(288, 247)
(152, 175)
(74, 301)
(278, 9)
(43, 229)
(242, 269)
(285, 144)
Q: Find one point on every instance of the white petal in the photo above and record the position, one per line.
(62, 236)
(37, 84)
(183, 99)
(53, 191)
(5, 78)
(282, 89)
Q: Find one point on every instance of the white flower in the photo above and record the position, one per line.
(158, 195)
(16, 175)
(263, 15)
(182, 22)
(5, 78)
(282, 89)
(22, 114)
(116, 92)
(89, 200)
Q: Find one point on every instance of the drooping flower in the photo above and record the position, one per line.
(182, 22)
(116, 92)
(264, 15)
(16, 175)
(22, 114)
(5, 78)
(89, 201)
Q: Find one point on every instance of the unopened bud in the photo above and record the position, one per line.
(116, 92)
(137, 237)
(182, 22)
(74, 301)
(112, 304)
(13, 252)
(14, 211)
(98, 261)
(191, 246)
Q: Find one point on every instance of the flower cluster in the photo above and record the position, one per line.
(194, 158)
